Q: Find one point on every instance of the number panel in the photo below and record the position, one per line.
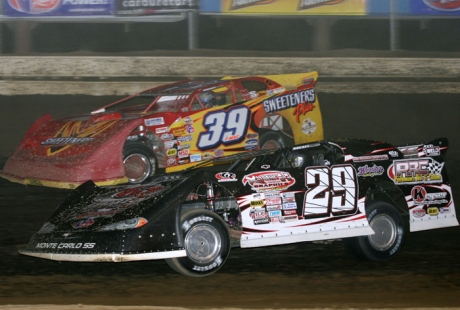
(331, 191)
(317, 197)
(224, 127)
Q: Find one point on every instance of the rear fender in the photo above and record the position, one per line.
(34, 128)
(387, 192)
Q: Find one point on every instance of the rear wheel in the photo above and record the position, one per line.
(273, 140)
(206, 242)
(387, 240)
(140, 162)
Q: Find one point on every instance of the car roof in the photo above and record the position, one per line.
(185, 87)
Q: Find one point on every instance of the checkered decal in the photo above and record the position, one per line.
(435, 168)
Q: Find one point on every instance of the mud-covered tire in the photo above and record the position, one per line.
(273, 140)
(387, 241)
(206, 242)
(139, 161)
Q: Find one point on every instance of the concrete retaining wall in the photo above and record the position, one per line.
(126, 75)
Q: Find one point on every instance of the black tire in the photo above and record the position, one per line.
(140, 162)
(206, 241)
(273, 140)
(387, 241)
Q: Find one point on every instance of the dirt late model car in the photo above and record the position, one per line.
(355, 190)
(169, 127)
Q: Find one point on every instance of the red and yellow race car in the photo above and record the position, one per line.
(168, 128)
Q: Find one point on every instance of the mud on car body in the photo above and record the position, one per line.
(358, 191)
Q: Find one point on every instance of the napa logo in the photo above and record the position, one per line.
(74, 133)
(34, 6)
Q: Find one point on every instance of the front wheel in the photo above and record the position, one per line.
(387, 238)
(139, 161)
(206, 242)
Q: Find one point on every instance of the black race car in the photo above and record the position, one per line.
(354, 190)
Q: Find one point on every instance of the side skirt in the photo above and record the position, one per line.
(294, 237)
(106, 257)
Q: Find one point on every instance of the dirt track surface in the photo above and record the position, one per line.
(425, 274)
(308, 275)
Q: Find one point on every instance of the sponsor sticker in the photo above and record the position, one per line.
(169, 144)
(422, 197)
(171, 152)
(160, 130)
(308, 126)
(432, 211)
(290, 212)
(413, 171)
(183, 153)
(251, 144)
(274, 207)
(67, 141)
(418, 213)
(218, 153)
(179, 132)
(291, 100)
(255, 209)
(226, 177)
(262, 221)
(411, 150)
(156, 121)
(257, 203)
(268, 180)
(195, 157)
(370, 158)
(273, 201)
(271, 194)
(167, 136)
(289, 206)
(276, 213)
(366, 171)
(171, 161)
(190, 129)
(432, 150)
(183, 139)
(259, 215)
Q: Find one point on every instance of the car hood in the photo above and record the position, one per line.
(90, 207)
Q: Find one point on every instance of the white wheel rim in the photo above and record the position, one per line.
(137, 168)
(385, 232)
(203, 244)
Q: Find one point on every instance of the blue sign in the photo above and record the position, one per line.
(56, 7)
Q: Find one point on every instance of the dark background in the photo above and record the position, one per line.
(267, 34)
